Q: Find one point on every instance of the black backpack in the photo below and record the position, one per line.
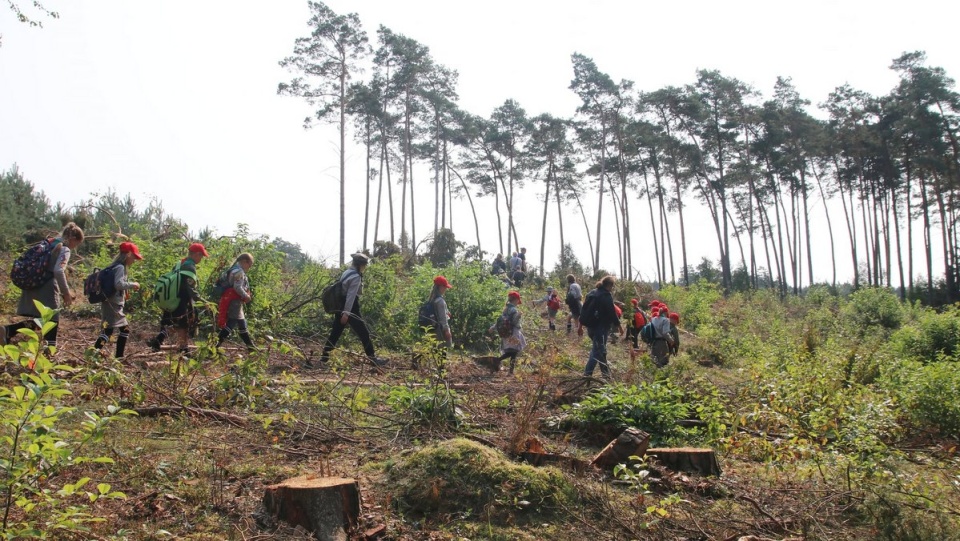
(648, 333)
(589, 314)
(427, 316)
(334, 296)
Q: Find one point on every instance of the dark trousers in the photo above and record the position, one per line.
(359, 328)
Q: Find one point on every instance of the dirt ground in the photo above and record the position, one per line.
(194, 464)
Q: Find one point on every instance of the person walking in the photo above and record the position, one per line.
(183, 318)
(513, 342)
(516, 270)
(574, 301)
(352, 283)
(602, 315)
(663, 340)
(53, 293)
(552, 300)
(441, 314)
(499, 266)
(230, 314)
(112, 315)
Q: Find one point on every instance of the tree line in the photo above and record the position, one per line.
(757, 164)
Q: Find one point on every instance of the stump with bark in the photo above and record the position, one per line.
(686, 459)
(631, 442)
(327, 506)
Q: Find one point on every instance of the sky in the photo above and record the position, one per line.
(176, 100)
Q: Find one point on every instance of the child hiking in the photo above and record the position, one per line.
(183, 317)
(230, 313)
(349, 313)
(574, 303)
(53, 291)
(507, 327)
(552, 300)
(112, 315)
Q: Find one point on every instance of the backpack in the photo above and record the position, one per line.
(554, 302)
(223, 281)
(572, 298)
(504, 325)
(427, 316)
(32, 269)
(639, 319)
(167, 289)
(334, 296)
(100, 284)
(648, 333)
(588, 314)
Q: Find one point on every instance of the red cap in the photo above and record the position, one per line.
(634, 302)
(664, 310)
(198, 248)
(674, 317)
(515, 295)
(130, 248)
(655, 312)
(441, 281)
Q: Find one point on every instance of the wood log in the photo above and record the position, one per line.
(687, 459)
(630, 442)
(327, 506)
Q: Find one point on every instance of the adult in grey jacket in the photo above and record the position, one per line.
(352, 280)
(599, 328)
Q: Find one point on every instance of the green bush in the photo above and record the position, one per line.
(930, 337)
(870, 309)
(653, 407)
(929, 395)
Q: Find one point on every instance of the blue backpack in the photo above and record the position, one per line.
(100, 284)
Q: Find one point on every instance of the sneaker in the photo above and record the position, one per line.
(378, 362)
(154, 344)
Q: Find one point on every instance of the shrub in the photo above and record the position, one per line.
(653, 407)
(930, 337)
(871, 309)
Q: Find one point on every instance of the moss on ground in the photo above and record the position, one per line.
(461, 476)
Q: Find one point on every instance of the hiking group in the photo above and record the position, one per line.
(40, 273)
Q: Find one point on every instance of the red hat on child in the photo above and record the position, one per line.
(198, 248)
(674, 317)
(515, 295)
(130, 248)
(655, 312)
(441, 281)
(634, 302)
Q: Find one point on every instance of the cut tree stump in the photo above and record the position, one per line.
(687, 459)
(327, 506)
(630, 442)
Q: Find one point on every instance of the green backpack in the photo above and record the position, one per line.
(167, 290)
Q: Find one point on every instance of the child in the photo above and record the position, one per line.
(183, 318)
(675, 332)
(230, 312)
(512, 345)
(553, 305)
(111, 309)
(54, 293)
(574, 303)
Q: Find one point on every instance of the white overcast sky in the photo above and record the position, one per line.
(177, 99)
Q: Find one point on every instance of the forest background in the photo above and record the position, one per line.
(82, 97)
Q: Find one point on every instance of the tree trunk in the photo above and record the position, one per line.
(556, 192)
(631, 442)
(603, 170)
(366, 205)
(686, 459)
(806, 222)
(546, 203)
(833, 252)
(343, 163)
(653, 229)
(473, 210)
(586, 226)
(327, 506)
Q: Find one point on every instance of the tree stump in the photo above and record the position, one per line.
(702, 461)
(631, 442)
(326, 506)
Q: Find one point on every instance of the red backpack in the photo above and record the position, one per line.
(554, 302)
(639, 320)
